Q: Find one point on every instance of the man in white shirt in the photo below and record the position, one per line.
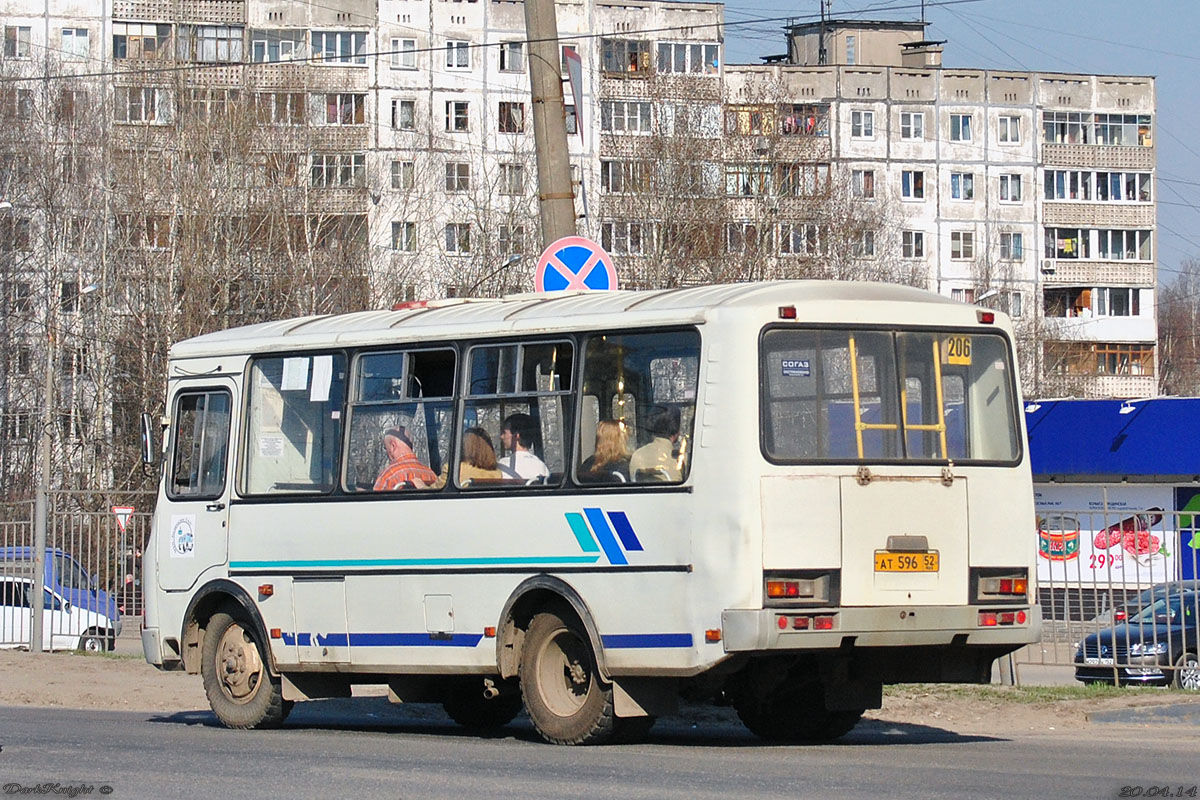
(656, 461)
(517, 437)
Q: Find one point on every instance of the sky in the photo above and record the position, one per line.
(1134, 37)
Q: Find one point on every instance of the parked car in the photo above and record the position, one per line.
(1130, 608)
(1157, 646)
(65, 626)
(64, 576)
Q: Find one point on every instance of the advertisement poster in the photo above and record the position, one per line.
(1187, 500)
(1104, 535)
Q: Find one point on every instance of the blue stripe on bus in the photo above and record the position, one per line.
(582, 535)
(625, 641)
(605, 536)
(624, 530)
(384, 639)
(414, 562)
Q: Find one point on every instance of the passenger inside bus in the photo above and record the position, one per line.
(610, 462)
(403, 469)
(478, 459)
(656, 460)
(519, 436)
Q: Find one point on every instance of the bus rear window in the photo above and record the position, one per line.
(845, 395)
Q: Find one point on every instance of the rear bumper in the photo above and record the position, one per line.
(758, 630)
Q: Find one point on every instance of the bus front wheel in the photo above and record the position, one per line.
(241, 689)
(567, 700)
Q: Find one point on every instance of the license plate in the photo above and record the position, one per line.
(886, 561)
(1092, 661)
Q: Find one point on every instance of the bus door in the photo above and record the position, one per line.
(195, 521)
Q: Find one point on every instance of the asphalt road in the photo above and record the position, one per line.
(366, 748)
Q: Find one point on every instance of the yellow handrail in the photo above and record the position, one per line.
(859, 425)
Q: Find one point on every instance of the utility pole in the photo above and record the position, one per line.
(556, 198)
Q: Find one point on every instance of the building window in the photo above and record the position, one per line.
(210, 44)
(404, 236)
(1067, 243)
(863, 183)
(962, 295)
(1118, 302)
(16, 104)
(330, 170)
(625, 116)
(1010, 130)
(801, 180)
(912, 125)
(511, 239)
(512, 117)
(862, 124)
(851, 50)
(621, 238)
(274, 46)
(693, 58)
(512, 179)
(802, 119)
(800, 239)
(1012, 247)
(512, 57)
(1118, 187)
(138, 104)
(747, 180)
(1010, 188)
(624, 177)
(345, 109)
(458, 237)
(279, 108)
(864, 245)
(571, 120)
(404, 115)
(458, 54)
(69, 296)
(458, 116)
(16, 41)
(1066, 127)
(742, 237)
(1122, 245)
(562, 56)
(625, 56)
(339, 47)
(1123, 129)
(135, 40)
(960, 127)
(404, 53)
(403, 175)
(14, 235)
(962, 186)
(748, 120)
(1080, 358)
(962, 245)
(75, 44)
(458, 176)
(912, 184)
(912, 244)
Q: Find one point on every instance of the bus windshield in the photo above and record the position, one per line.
(872, 395)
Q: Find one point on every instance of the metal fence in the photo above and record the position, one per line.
(93, 573)
(1118, 587)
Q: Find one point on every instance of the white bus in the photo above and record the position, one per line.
(784, 495)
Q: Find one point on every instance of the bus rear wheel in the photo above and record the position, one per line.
(241, 689)
(567, 700)
(794, 712)
(469, 702)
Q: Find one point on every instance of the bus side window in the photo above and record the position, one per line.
(201, 444)
(412, 390)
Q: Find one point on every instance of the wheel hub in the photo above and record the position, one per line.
(239, 665)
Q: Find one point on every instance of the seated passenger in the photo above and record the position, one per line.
(610, 462)
(403, 465)
(656, 460)
(478, 457)
(518, 437)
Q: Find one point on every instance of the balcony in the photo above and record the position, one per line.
(1067, 271)
(1097, 156)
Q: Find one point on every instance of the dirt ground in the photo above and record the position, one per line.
(126, 683)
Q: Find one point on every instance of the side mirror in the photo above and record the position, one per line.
(148, 453)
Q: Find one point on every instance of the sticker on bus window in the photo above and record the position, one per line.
(957, 350)
(796, 368)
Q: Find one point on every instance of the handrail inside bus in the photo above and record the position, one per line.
(940, 426)
(859, 425)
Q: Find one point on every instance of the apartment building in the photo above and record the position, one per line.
(391, 142)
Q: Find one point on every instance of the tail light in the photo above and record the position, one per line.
(1120, 615)
(999, 585)
(801, 587)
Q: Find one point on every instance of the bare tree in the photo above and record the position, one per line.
(1179, 332)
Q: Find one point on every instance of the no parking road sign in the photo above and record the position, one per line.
(574, 262)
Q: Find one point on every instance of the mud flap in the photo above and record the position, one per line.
(645, 697)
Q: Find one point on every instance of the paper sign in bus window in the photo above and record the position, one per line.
(796, 368)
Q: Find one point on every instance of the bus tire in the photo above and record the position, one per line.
(794, 712)
(241, 689)
(567, 700)
(468, 705)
